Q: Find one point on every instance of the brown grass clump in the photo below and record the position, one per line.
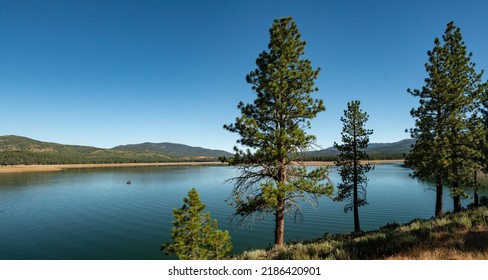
(440, 254)
(462, 245)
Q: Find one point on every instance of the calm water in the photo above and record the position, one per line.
(94, 214)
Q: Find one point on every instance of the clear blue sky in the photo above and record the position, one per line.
(104, 73)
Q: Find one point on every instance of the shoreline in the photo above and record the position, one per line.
(331, 163)
(61, 167)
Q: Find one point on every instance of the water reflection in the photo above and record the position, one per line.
(95, 214)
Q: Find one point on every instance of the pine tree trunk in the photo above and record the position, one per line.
(280, 223)
(456, 197)
(355, 195)
(455, 188)
(457, 203)
(476, 198)
(356, 209)
(438, 196)
(280, 208)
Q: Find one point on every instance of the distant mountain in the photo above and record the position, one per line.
(375, 150)
(22, 150)
(401, 147)
(172, 150)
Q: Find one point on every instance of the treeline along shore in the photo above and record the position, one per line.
(60, 167)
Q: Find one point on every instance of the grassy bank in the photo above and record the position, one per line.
(455, 236)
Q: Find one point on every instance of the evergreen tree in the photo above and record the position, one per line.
(484, 112)
(428, 155)
(479, 132)
(476, 137)
(484, 120)
(195, 235)
(273, 128)
(355, 139)
(445, 134)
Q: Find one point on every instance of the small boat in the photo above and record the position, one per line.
(129, 182)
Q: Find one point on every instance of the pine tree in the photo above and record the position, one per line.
(195, 236)
(445, 148)
(273, 128)
(355, 139)
(475, 138)
(428, 156)
(478, 128)
(484, 118)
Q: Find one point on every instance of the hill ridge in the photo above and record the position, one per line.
(172, 148)
(15, 150)
(393, 150)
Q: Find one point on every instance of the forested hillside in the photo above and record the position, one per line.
(15, 150)
(172, 150)
(395, 150)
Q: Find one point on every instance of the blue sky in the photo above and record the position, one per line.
(104, 73)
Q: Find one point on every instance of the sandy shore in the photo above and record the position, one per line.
(59, 167)
(331, 163)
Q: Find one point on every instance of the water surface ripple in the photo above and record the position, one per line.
(95, 214)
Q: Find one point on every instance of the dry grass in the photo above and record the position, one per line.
(440, 254)
(461, 245)
(461, 236)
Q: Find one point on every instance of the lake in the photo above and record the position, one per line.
(95, 214)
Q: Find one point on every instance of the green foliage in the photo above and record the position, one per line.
(484, 114)
(195, 235)
(355, 139)
(447, 127)
(273, 128)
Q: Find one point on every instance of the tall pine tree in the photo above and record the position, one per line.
(355, 139)
(478, 129)
(273, 128)
(484, 118)
(195, 236)
(475, 137)
(429, 155)
(445, 148)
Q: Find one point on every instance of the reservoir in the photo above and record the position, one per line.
(96, 214)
